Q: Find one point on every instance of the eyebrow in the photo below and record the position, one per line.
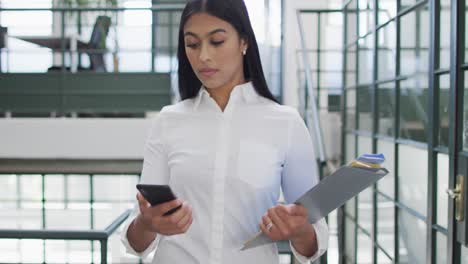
(188, 33)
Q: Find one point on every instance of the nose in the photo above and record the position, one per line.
(204, 53)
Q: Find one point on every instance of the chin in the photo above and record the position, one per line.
(211, 84)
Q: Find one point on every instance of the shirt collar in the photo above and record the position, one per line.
(242, 92)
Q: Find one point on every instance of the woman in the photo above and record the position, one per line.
(226, 150)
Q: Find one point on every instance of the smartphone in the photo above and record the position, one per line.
(157, 194)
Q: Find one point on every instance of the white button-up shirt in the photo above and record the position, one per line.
(229, 166)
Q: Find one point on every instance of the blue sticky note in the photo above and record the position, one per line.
(372, 158)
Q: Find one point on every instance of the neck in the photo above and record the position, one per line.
(221, 94)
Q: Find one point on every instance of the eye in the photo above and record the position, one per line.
(192, 46)
(217, 43)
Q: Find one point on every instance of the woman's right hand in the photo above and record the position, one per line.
(152, 217)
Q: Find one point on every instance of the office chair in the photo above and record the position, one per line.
(98, 42)
(95, 48)
(3, 32)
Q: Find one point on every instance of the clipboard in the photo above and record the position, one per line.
(330, 193)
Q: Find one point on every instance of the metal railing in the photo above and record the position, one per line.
(92, 235)
(67, 231)
(109, 171)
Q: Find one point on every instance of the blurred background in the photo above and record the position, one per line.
(368, 76)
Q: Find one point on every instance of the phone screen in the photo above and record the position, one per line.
(157, 194)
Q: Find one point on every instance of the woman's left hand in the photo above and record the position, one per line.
(285, 222)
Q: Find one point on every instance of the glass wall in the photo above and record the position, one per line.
(389, 77)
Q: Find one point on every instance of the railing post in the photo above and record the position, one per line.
(103, 251)
(62, 39)
(43, 200)
(63, 69)
(154, 21)
(91, 213)
(341, 211)
(171, 42)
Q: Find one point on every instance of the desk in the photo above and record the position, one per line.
(71, 44)
(68, 230)
(55, 42)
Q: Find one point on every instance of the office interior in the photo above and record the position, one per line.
(367, 76)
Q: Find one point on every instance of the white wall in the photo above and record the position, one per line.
(50, 138)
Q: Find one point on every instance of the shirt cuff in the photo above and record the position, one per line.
(129, 249)
(321, 233)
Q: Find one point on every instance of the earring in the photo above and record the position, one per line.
(244, 52)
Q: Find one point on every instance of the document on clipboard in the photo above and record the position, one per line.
(333, 191)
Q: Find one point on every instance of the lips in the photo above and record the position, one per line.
(208, 72)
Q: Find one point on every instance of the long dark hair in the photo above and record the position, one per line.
(235, 13)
